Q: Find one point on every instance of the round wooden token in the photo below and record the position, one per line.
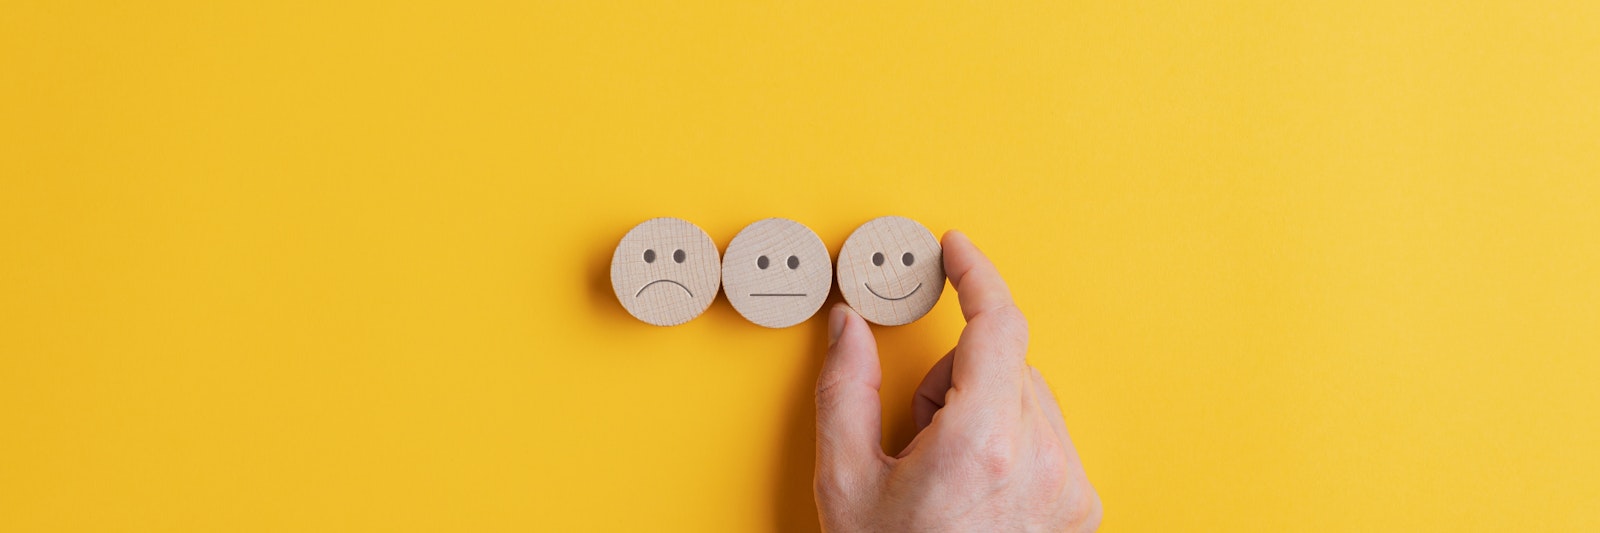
(777, 272)
(666, 271)
(891, 270)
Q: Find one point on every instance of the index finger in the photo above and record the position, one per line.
(992, 353)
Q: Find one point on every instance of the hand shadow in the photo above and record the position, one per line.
(906, 353)
(794, 504)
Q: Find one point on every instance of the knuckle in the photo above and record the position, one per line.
(837, 486)
(994, 456)
(828, 487)
(1013, 323)
(1006, 322)
(828, 388)
(1085, 510)
(1050, 469)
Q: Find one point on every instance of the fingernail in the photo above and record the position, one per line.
(835, 324)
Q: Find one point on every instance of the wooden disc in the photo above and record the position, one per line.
(666, 271)
(777, 272)
(891, 270)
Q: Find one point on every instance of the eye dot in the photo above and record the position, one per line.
(908, 259)
(794, 262)
(679, 256)
(761, 262)
(649, 256)
(877, 259)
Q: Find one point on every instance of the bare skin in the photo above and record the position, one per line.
(992, 451)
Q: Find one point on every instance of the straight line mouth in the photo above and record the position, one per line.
(776, 294)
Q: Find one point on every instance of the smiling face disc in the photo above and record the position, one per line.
(777, 272)
(666, 271)
(891, 270)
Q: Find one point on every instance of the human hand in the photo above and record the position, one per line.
(991, 452)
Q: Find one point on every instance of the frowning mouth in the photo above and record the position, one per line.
(647, 285)
(908, 295)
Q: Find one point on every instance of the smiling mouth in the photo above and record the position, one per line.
(908, 295)
(777, 294)
(647, 285)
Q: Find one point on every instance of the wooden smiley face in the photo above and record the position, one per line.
(777, 272)
(891, 270)
(666, 271)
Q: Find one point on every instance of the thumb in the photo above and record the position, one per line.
(849, 416)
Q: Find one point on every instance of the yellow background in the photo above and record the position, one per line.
(299, 266)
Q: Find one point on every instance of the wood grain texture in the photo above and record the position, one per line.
(666, 271)
(891, 270)
(777, 272)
